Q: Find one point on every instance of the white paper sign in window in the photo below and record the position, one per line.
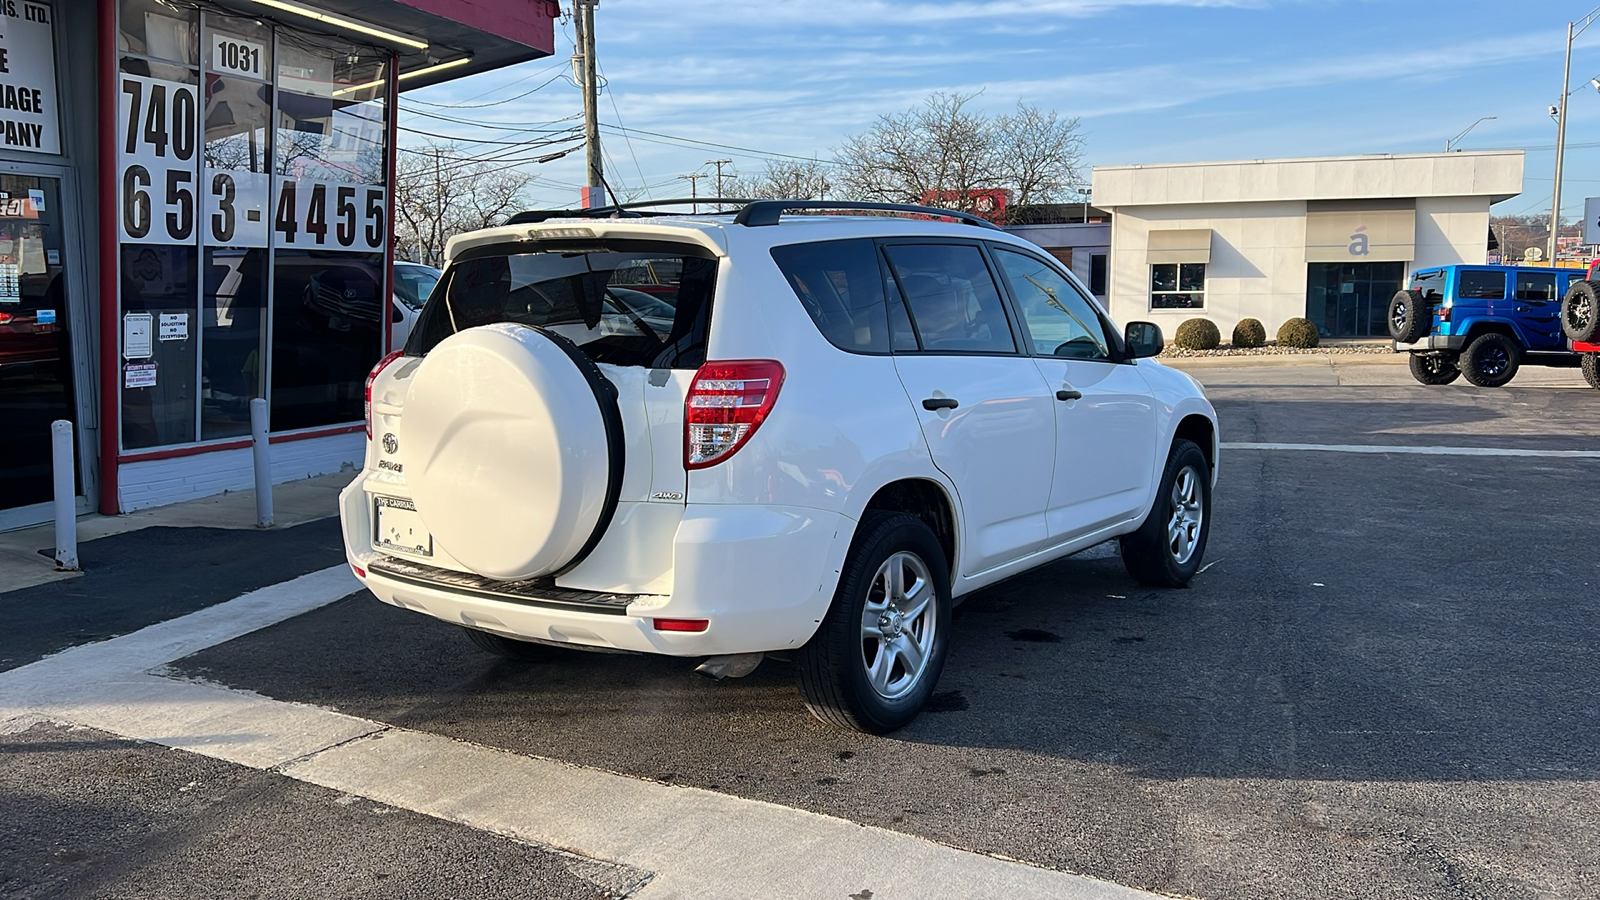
(328, 215)
(158, 129)
(236, 55)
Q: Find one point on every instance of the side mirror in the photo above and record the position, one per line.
(1143, 339)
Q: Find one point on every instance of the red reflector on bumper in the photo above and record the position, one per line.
(682, 624)
(360, 572)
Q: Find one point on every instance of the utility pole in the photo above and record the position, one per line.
(719, 163)
(694, 184)
(583, 22)
(1573, 30)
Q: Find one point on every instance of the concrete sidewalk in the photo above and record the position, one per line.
(294, 503)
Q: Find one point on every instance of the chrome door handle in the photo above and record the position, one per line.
(933, 403)
(1069, 395)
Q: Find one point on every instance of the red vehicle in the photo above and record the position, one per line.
(1580, 322)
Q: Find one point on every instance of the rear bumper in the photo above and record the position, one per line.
(762, 577)
(1451, 342)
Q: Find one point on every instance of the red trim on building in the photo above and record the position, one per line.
(110, 334)
(531, 24)
(392, 107)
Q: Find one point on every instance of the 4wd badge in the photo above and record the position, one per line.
(390, 443)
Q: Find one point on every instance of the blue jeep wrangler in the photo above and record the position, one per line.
(1483, 322)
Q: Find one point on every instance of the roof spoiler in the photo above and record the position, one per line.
(619, 210)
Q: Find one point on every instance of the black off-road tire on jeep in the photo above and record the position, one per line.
(834, 666)
(1157, 554)
(1491, 360)
(1434, 370)
(1410, 317)
(1580, 312)
(507, 648)
(1591, 369)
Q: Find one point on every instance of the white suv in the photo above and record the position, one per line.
(733, 435)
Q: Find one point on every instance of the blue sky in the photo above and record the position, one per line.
(1152, 80)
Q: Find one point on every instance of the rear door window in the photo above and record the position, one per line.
(1533, 286)
(841, 287)
(955, 306)
(1476, 284)
(620, 306)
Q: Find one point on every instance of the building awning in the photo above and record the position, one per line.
(1373, 235)
(1183, 245)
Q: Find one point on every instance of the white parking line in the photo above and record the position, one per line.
(1420, 451)
(696, 843)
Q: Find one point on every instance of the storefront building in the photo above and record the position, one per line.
(194, 212)
(1329, 239)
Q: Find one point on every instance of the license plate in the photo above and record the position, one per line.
(396, 526)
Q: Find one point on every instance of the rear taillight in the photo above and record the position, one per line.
(373, 376)
(726, 404)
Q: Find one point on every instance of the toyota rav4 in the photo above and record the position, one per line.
(732, 435)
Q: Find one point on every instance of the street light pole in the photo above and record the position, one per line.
(1573, 30)
(1453, 141)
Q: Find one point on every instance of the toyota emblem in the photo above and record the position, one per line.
(390, 443)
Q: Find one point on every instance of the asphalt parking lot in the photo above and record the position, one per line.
(1384, 684)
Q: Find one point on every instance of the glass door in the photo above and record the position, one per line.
(35, 348)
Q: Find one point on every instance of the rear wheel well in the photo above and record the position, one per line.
(925, 500)
(1199, 429)
(1479, 329)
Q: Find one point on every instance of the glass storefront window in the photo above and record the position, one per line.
(254, 267)
(160, 30)
(328, 317)
(158, 305)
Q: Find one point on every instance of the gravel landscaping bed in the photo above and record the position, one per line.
(1272, 349)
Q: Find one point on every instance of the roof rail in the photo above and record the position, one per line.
(617, 210)
(768, 212)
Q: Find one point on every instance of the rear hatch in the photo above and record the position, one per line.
(639, 310)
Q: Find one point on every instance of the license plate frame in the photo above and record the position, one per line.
(404, 522)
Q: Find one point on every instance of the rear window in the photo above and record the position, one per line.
(626, 307)
(841, 286)
(1431, 284)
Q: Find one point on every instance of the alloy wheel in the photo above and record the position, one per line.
(898, 623)
(1188, 514)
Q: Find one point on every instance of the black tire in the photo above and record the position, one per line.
(1591, 369)
(507, 648)
(1580, 312)
(1410, 317)
(1491, 360)
(834, 664)
(1154, 555)
(1434, 370)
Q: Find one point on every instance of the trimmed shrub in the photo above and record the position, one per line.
(1197, 334)
(1298, 332)
(1249, 333)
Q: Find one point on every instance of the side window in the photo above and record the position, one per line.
(841, 287)
(1480, 285)
(954, 303)
(1536, 286)
(1178, 286)
(1058, 318)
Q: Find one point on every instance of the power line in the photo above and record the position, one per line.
(692, 141)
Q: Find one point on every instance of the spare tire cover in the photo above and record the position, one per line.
(508, 452)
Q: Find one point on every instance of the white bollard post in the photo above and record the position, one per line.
(263, 459)
(61, 461)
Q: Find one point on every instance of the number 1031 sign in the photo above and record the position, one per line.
(165, 195)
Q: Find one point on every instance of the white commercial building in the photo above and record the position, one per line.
(1330, 239)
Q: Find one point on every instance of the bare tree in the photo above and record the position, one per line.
(786, 180)
(1040, 153)
(440, 192)
(957, 156)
